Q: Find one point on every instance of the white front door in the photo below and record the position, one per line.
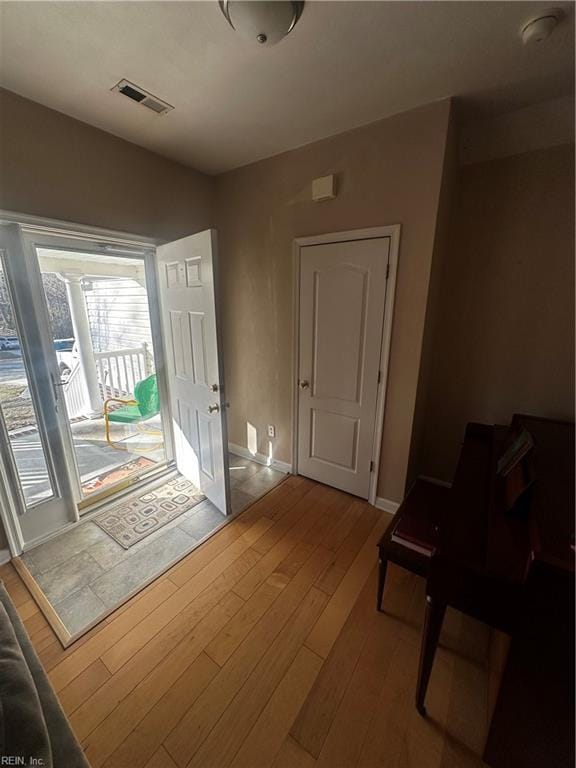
(188, 287)
(342, 295)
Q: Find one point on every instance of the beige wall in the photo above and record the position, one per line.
(504, 342)
(57, 167)
(388, 173)
(448, 194)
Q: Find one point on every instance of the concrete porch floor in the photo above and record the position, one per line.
(94, 456)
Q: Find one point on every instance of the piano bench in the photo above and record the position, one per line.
(424, 504)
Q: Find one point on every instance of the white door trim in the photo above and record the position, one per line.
(393, 232)
(72, 229)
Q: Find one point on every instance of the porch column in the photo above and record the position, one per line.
(81, 326)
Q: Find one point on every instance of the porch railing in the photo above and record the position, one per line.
(75, 396)
(118, 373)
(120, 370)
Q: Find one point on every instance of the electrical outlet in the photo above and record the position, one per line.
(271, 430)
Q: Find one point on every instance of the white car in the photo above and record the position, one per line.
(9, 342)
(67, 359)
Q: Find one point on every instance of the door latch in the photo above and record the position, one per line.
(56, 386)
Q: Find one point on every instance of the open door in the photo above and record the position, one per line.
(188, 289)
(34, 465)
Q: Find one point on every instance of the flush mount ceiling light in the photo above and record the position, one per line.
(540, 27)
(262, 21)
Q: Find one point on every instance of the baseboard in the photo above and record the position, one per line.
(5, 556)
(260, 458)
(435, 480)
(387, 505)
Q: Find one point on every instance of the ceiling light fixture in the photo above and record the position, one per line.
(263, 21)
(541, 27)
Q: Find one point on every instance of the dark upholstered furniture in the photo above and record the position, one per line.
(33, 726)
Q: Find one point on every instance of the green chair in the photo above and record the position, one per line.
(145, 405)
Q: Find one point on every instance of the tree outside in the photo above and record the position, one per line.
(58, 308)
(14, 396)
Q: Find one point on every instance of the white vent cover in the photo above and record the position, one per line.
(140, 96)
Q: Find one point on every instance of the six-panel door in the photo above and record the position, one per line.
(193, 352)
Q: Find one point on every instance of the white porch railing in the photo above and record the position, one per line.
(120, 370)
(118, 373)
(75, 395)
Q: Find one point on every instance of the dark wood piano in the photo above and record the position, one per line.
(514, 569)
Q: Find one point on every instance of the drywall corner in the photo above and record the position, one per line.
(446, 199)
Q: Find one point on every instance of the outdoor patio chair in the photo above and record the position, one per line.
(144, 406)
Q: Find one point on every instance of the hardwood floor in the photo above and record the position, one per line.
(263, 648)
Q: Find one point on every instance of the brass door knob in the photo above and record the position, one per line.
(213, 408)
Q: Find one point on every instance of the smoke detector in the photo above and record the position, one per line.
(541, 27)
(262, 21)
(140, 96)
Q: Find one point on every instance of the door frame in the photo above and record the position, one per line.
(392, 232)
(99, 245)
(59, 509)
(10, 503)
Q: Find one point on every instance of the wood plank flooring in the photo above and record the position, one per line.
(263, 648)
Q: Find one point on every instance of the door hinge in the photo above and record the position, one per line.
(387, 270)
(371, 466)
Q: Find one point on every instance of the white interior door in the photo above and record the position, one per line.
(188, 287)
(342, 295)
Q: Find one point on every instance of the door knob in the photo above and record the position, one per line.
(213, 408)
(214, 387)
(303, 384)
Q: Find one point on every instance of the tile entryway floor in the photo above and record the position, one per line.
(85, 574)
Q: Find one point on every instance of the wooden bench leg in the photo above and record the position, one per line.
(381, 581)
(432, 625)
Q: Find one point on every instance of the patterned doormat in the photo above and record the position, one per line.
(134, 519)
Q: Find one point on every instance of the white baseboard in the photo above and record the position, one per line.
(5, 556)
(435, 480)
(260, 458)
(387, 505)
(392, 506)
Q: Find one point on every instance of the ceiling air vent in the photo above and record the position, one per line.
(134, 92)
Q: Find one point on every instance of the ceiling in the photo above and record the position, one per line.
(345, 64)
(89, 265)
